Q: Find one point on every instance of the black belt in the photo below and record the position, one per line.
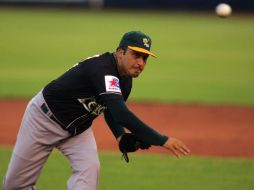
(46, 110)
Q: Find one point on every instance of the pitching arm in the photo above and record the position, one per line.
(123, 117)
(116, 129)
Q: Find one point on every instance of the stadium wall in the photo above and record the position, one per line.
(247, 5)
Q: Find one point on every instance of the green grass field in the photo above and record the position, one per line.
(202, 58)
(147, 172)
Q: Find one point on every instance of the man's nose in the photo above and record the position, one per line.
(141, 62)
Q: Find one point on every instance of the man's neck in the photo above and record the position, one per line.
(118, 65)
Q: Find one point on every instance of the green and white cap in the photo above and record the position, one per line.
(137, 41)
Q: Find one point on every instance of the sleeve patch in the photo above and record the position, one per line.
(112, 84)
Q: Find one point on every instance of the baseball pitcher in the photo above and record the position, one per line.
(61, 115)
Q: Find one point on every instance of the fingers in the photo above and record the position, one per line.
(174, 151)
(177, 147)
(182, 149)
(177, 150)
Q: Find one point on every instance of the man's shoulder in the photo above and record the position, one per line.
(102, 64)
(98, 58)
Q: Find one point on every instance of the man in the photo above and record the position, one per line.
(61, 116)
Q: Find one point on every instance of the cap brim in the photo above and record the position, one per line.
(138, 49)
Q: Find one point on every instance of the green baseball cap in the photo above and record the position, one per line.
(137, 41)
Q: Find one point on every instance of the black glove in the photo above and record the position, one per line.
(131, 143)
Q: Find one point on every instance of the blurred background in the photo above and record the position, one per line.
(243, 5)
(202, 58)
(200, 88)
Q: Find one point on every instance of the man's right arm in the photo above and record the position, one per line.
(116, 129)
(124, 117)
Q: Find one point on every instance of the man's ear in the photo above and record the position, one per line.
(120, 50)
(120, 53)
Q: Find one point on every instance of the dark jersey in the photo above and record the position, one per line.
(76, 98)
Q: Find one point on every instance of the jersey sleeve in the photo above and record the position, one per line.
(109, 89)
(111, 85)
(105, 79)
(106, 83)
(124, 117)
(116, 129)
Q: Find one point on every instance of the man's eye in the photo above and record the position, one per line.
(137, 55)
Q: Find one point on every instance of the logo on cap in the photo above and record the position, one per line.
(146, 42)
(137, 41)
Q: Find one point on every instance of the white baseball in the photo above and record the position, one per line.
(223, 10)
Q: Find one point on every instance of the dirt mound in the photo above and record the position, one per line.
(207, 130)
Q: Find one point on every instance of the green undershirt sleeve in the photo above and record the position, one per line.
(124, 117)
(116, 129)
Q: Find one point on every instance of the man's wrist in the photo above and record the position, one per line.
(119, 137)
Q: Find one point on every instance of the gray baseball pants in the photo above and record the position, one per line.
(38, 136)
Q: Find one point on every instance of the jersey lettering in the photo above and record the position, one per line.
(92, 106)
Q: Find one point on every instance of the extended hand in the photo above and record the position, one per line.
(176, 146)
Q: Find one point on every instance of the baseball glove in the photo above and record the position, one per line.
(131, 143)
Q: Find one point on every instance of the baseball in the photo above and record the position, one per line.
(223, 10)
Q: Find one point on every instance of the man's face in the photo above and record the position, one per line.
(132, 63)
